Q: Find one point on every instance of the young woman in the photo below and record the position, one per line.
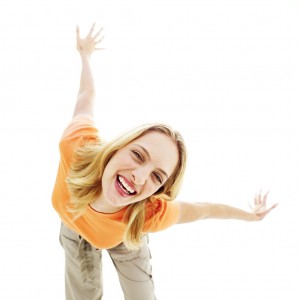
(110, 195)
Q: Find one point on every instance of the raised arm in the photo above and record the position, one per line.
(190, 212)
(86, 94)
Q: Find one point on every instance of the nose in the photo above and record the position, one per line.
(140, 175)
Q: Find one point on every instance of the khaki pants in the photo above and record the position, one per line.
(83, 269)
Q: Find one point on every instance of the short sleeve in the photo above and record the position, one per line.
(160, 215)
(78, 126)
(79, 131)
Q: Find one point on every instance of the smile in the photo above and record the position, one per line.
(125, 186)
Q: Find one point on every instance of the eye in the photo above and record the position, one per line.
(158, 178)
(138, 155)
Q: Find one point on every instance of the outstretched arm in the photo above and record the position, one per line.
(190, 212)
(86, 94)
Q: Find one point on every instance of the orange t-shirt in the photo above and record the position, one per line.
(102, 230)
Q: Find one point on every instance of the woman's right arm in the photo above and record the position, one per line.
(86, 94)
(190, 212)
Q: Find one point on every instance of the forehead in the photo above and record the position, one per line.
(162, 150)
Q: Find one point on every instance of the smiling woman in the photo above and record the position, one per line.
(131, 169)
(110, 195)
(131, 176)
(141, 171)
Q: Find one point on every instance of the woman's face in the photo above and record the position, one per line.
(138, 170)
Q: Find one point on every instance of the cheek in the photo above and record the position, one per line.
(159, 190)
(119, 163)
(150, 189)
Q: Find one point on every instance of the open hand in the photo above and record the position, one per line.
(260, 210)
(86, 46)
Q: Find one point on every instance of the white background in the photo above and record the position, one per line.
(225, 73)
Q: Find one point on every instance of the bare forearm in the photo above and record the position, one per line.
(86, 93)
(86, 79)
(190, 212)
(222, 211)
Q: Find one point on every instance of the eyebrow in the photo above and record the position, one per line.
(149, 157)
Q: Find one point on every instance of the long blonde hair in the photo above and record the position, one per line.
(85, 178)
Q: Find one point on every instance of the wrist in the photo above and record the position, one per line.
(251, 217)
(85, 56)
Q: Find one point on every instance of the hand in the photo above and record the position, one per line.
(86, 46)
(259, 211)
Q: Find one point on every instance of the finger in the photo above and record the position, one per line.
(259, 196)
(91, 30)
(265, 212)
(273, 206)
(99, 41)
(77, 31)
(97, 34)
(255, 199)
(265, 198)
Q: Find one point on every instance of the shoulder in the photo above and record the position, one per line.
(79, 125)
(79, 132)
(161, 213)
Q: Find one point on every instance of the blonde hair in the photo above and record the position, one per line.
(85, 178)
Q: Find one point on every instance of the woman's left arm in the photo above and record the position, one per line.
(86, 94)
(190, 212)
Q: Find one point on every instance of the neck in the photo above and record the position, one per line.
(99, 206)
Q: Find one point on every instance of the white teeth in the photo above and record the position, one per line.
(125, 185)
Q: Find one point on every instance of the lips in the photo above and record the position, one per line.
(124, 187)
